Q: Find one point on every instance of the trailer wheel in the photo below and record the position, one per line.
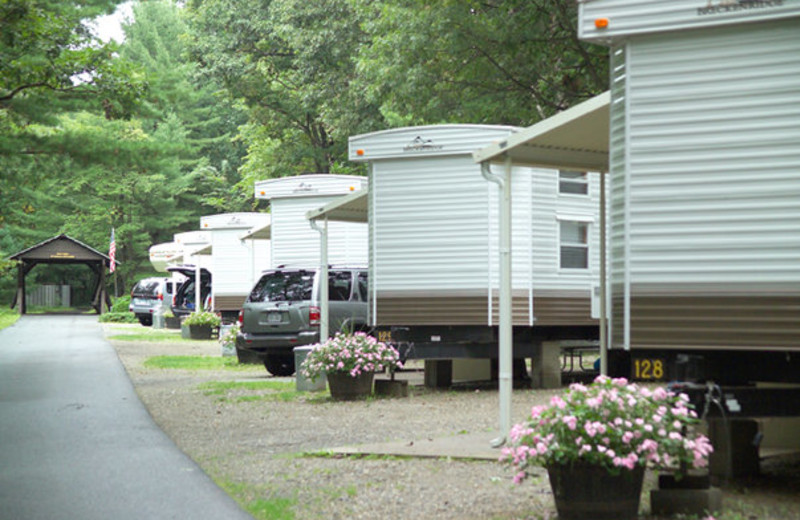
(280, 366)
(147, 321)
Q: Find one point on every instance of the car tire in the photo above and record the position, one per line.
(146, 320)
(279, 366)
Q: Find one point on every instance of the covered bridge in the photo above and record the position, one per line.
(63, 249)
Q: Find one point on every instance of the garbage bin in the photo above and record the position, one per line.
(304, 384)
(158, 321)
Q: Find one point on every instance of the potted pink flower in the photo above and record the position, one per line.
(597, 440)
(349, 362)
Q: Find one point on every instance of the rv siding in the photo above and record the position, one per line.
(434, 230)
(192, 241)
(618, 218)
(296, 243)
(234, 264)
(552, 309)
(714, 321)
(429, 218)
(637, 17)
(537, 210)
(712, 186)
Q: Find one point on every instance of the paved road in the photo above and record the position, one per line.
(75, 441)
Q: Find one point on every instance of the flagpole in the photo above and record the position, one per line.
(112, 254)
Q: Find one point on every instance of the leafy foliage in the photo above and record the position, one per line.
(121, 304)
(118, 317)
(470, 61)
(292, 63)
(207, 319)
(204, 97)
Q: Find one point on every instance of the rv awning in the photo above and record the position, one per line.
(204, 251)
(259, 233)
(350, 208)
(576, 138)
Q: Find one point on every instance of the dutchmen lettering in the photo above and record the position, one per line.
(730, 6)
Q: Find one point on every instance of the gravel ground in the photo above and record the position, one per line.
(257, 446)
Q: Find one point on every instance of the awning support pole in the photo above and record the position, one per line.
(506, 345)
(323, 277)
(197, 296)
(603, 280)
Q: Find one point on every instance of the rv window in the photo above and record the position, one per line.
(574, 245)
(283, 286)
(339, 283)
(575, 183)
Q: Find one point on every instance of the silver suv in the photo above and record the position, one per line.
(283, 312)
(151, 295)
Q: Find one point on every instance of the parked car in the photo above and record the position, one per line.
(184, 301)
(283, 312)
(151, 295)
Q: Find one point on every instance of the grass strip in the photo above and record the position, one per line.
(154, 335)
(232, 391)
(277, 508)
(197, 363)
(8, 317)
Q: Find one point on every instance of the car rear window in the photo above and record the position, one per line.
(146, 287)
(283, 286)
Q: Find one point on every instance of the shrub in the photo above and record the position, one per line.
(208, 319)
(121, 304)
(118, 317)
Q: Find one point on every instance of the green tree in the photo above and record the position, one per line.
(477, 61)
(292, 63)
(50, 64)
(157, 41)
(127, 179)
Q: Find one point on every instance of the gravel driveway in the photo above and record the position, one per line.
(262, 446)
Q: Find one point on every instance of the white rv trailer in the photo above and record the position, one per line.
(701, 133)
(705, 177)
(182, 250)
(294, 241)
(234, 263)
(164, 254)
(191, 244)
(433, 222)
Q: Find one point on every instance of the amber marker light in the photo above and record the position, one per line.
(262, 192)
(360, 152)
(601, 23)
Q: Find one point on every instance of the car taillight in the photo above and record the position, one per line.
(241, 317)
(313, 316)
(160, 296)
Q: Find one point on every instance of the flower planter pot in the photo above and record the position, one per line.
(172, 322)
(200, 331)
(585, 491)
(345, 387)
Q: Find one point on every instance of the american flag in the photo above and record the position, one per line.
(112, 253)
